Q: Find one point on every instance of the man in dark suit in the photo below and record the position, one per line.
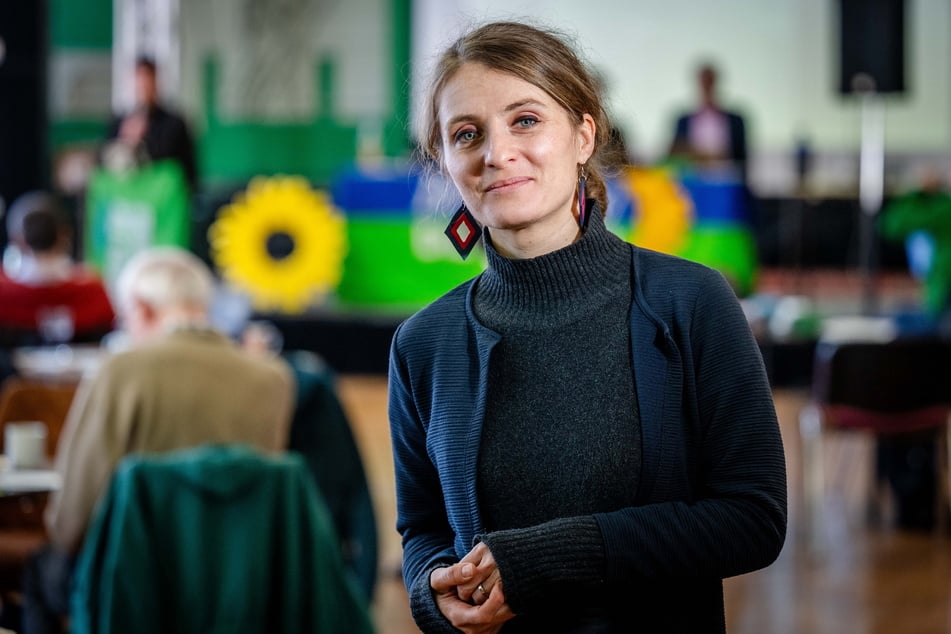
(710, 135)
(153, 128)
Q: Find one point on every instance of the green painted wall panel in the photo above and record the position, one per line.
(235, 151)
(79, 23)
(74, 131)
(397, 139)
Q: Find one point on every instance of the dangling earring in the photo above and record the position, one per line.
(463, 231)
(582, 206)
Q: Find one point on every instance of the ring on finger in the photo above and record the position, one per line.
(481, 588)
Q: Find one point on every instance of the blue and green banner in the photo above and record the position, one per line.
(704, 218)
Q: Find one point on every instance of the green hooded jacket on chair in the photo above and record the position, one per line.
(211, 540)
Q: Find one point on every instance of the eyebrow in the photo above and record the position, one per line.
(509, 108)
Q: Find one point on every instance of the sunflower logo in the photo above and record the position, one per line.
(281, 241)
(665, 213)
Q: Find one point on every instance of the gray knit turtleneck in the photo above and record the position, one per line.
(561, 436)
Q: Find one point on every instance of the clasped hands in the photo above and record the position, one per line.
(470, 594)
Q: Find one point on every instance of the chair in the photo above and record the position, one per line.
(322, 435)
(21, 516)
(888, 389)
(214, 539)
(29, 399)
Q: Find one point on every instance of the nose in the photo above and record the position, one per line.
(500, 147)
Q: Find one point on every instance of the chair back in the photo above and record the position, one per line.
(21, 516)
(24, 399)
(220, 538)
(899, 385)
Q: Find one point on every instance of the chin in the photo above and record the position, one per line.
(510, 216)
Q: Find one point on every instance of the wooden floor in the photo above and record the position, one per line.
(857, 579)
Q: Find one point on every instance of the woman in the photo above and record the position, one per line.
(584, 436)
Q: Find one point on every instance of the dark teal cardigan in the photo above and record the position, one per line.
(712, 493)
(219, 538)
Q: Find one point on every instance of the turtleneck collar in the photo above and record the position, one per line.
(557, 287)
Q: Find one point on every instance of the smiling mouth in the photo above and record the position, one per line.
(506, 184)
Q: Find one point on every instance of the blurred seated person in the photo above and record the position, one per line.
(45, 296)
(180, 384)
(151, 131)
(921, 217)
(924, 212)
(710, 136)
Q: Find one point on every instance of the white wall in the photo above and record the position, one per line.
(778, 60)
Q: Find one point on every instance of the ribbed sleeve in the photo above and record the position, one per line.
(423, 607)
(542, 561)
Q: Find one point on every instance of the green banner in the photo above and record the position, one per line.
(128, 212)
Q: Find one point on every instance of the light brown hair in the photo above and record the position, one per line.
(542, 58)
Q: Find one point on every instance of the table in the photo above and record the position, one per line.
(62, 363)
(20, 481)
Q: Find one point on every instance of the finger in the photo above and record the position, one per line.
(503, 614)
(459, 613)
(465, 593)
(495, 605)
(477, 553)
(497, 598)
(447, 577)
(476, 591)
(478, 595)
(470, 590)
(482, 558)
(465, 616)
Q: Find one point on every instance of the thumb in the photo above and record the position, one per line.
(450, 576)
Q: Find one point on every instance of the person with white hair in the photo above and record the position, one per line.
(180, 384)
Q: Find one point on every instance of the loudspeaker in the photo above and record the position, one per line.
(872, 46)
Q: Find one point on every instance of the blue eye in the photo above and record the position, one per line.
(465, 136)
(526, 122)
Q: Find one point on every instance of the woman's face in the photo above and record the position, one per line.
(512, 151)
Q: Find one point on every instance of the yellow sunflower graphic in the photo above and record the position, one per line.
(665, 212)
(280, 241)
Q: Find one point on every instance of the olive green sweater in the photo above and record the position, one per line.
(190, 387)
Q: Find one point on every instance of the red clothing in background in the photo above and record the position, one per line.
(83, 295)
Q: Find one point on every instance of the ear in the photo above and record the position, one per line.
(586, 134)
(143, 310)
(64, 241)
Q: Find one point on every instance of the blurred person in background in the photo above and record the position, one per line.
(45, 296)
(180, 384)
(710, 136)
(151, 131)
(921, 216)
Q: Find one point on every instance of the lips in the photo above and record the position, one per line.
(508, 183)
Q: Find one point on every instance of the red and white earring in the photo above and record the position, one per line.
(463, 231)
